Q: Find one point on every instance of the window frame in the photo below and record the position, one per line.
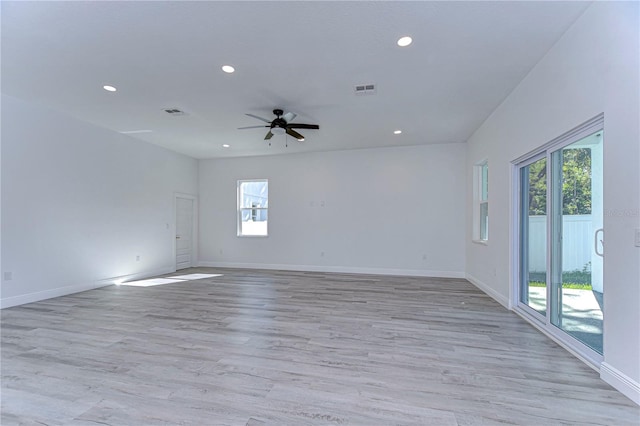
(253, 209)
(481, 201)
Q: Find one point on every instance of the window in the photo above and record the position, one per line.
(481, 211)
(253, 206)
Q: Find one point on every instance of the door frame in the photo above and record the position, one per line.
(573, 345)
(194, 228)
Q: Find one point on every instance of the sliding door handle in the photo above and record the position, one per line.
(599, 231)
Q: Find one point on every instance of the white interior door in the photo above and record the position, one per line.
(184, 233)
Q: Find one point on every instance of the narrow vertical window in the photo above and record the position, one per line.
(481, 211)
(253, 206)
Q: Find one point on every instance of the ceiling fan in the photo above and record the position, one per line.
(281, 125)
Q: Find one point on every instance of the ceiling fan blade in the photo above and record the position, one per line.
(289, 116)
(252, 127)
(294, 134)
(259, 118)
(269, 136)
(302, 126)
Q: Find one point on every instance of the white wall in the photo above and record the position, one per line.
(373, 210)
(577, 243)
(79, 203)
(592, 69)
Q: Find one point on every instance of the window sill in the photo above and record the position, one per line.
(481, 242)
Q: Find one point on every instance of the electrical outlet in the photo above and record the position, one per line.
(424, 257)
(138, 258)
(321, 254)
(8, 276)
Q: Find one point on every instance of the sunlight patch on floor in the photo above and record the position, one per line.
(151, 282)
(195, 276)
(169, 280)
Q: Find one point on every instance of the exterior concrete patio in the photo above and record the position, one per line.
(582, 314)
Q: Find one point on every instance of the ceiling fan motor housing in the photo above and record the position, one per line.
(279, 122)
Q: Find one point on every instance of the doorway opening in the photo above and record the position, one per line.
(186, 234)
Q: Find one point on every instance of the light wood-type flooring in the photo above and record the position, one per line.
(292, 348)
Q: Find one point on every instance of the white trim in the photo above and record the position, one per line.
(575, 134)
(194, 228)
(478, 179)
(531, 314)
(239, 209)
(625, 384)
(485, 288)
(22, 299)
(337, 269)
(572, 345)
(514, 236)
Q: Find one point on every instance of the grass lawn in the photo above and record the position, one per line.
(576, 286)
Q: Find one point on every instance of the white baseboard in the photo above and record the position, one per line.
(336, 269)
(23, 299)
(37, 296)
(592, 362)
(501, 299)
(621, 382)
(626, 385)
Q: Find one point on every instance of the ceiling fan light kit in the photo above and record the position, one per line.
(281, 125)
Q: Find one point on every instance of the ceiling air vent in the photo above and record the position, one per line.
(365, 89)
(174, 111)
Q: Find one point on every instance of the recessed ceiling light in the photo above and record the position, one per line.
(109, 88)
(228, 69)
(397, 132)
(225, 145)
(404, 41)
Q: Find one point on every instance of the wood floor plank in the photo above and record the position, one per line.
(254, 347)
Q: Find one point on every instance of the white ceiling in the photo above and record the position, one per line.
(304, 57)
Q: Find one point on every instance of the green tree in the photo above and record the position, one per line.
(576, 183)
(538, 188)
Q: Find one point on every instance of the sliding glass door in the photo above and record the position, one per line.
(560, 239)
(576, 245)
(533, 232)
